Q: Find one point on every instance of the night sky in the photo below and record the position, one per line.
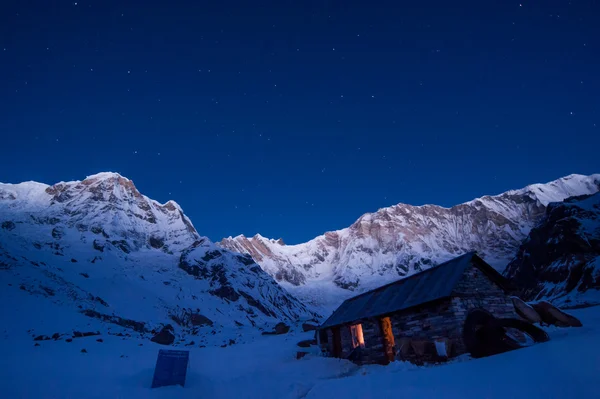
(291, 118)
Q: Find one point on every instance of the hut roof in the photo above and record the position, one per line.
(429, 285)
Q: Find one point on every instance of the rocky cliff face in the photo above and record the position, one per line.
(560, 259)
(400, 240)
(100, 249)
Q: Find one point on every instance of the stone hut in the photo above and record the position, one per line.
(419, 318)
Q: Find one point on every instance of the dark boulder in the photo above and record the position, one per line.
(308, 327)
(165, 336)
(281, 328)
(156, 242)
(200, 320)
(226, 292)
(8, 225)
(306, 343)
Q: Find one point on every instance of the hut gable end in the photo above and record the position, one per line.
(475, 282)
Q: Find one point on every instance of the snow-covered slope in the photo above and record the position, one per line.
(560, 260)
(565, 367)
(99, 248)
(403, 239)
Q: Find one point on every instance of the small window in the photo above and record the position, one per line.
(357, 336)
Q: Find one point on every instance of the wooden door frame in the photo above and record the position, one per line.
(388, 345)
(337, 341)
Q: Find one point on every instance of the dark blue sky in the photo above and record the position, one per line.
(291, 118)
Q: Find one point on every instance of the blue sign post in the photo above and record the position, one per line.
(171, 368)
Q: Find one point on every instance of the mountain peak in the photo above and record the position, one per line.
(559, 189)
(105, 176)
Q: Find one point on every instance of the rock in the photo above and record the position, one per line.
(55, 336)
(226, 292)
(281, 328)
(37, 344)
(200, 320)
(308, 327)
(41, 338)
(525, 311)
(550, 314)
(191, 343)
(69, 340)
(306, 343)
(99, 340)
(300, 355)
(164, 337)
(8, 225)
(84, 350)
(156, 242)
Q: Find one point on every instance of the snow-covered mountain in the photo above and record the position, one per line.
(560, 260)
(99, 248)
(400, 240)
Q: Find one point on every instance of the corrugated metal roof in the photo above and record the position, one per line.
(429, 285)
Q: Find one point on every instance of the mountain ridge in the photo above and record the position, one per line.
(99, 249)
(402, 239)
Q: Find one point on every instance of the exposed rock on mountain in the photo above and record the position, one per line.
(236, 278)
(99, 249)
(560, 260)
(400, 240)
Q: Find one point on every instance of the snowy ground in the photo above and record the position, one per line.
(567, 366)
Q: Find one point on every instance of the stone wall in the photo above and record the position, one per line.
(373, 352)
(416, 329)
(373, 349)
(476, 290)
